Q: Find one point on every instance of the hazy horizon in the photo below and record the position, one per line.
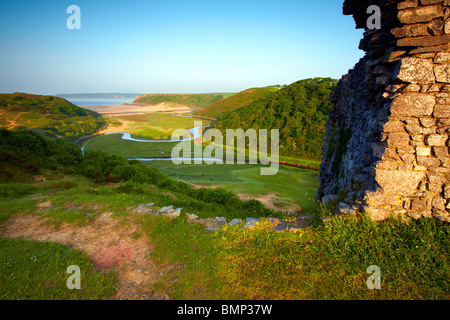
(172, 47)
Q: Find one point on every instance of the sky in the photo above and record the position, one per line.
(172, 46)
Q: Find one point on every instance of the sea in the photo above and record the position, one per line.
(98, 102)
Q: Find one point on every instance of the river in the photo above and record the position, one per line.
(195, 132)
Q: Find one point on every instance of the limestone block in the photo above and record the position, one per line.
(398, 140)
(441, 111)
(438, 203)
(376, 213)
(413, 70)
(436, 140)
(441, 152)
(428, 162)
(403, 183)
(414, 129)
(418, 204)
(442, 57)
(393, 126)
(413, 105)
(420, 14)
(423, 151)
(379, 199)
(442, 73)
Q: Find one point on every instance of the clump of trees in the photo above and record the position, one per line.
(26, 152)
(300, 111)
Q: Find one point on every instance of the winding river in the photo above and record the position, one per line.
(195, 132)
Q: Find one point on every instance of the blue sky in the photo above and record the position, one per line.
(172, 46)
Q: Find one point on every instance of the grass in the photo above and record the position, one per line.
(114, 144)
(31, 270)
(295, 187)
(157, 126)
(326, 263)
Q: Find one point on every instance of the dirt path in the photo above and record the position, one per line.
(109, 247)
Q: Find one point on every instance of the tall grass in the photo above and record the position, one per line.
(328, 262)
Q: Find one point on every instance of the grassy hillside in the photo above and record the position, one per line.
(299, 111)
(48, 114)
(189, 100)
(24, 154)
(240, 100)
(322, 262)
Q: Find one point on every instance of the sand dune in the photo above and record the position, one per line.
(124, 109)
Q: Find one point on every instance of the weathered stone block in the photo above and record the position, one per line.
(414, 129)
(419, 205)
(427, 122)
(428, 161)
(428, 41)
(413, 70)
(436, 140)
(378, 199)
(415, 30)
(408, 158)
(398, 140)
(423, 151)
(438, 203)
(441, 152)
(390, 155)
(394, 126)
(377, 214)
(402, 183)
(420, 14)
(442, 57)
(442, 73)
(441, 111)
(413, 105)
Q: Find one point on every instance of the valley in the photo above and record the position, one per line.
(291, 189)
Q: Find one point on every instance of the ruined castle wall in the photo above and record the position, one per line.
(387, 141)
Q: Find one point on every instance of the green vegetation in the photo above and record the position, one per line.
(32, 270)
(327, 263)
(114, 144)
(32, 154)
(157, 126)
(189, 100)
(324, 262)
(221, 108)
(51, 115)
(294, 187)
(299, 111)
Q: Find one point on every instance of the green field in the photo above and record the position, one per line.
(114, 144)
(295, 187)
(157, 126)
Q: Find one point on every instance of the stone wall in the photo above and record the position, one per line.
(387, 142)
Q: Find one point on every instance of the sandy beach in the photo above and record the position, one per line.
(126, 109)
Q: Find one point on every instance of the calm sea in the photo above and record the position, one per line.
(98, 102)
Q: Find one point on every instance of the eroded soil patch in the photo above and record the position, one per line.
(109, 246)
